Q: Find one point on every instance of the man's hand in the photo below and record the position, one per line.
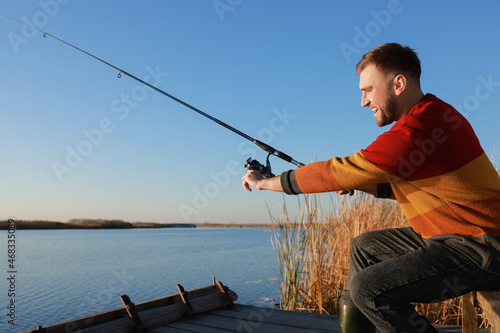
(343, 192)
(251, 178)
(254, 179)
(370, 189)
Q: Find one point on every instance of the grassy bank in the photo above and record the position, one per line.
(222, 225)
(40, 225)
(89, 224)
(314, 255)
(118, 224)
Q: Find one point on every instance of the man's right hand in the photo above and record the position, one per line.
(254, 179)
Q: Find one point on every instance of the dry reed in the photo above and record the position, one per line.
(313, 252)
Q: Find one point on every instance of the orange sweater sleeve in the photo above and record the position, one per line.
(333, 175)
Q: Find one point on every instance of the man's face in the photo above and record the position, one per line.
(376, 93)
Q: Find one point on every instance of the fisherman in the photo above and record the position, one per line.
(432, 163)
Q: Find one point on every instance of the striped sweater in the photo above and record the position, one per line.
(439, 174)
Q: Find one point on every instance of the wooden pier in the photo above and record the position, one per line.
(209, 309)
(247, 319)
(251, 319)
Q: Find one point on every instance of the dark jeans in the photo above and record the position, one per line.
(392, 268)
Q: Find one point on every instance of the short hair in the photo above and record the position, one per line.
(393, 58)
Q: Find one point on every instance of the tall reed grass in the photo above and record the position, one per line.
(313, 252)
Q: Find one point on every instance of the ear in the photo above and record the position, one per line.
(399, 84)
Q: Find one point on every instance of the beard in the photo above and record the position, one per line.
(387, 113)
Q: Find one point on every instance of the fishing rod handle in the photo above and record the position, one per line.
(274, 152)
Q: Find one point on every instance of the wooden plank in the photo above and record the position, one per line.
(277, 316)
(164, 329)
(199, 325)
(183, 327)
(209, 325)
(73, 325)
(238, 320)
(284, 321)
(246, 318)
(174, 298)
(490, 303)
(469, 313)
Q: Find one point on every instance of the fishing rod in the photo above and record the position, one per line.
(250, 163)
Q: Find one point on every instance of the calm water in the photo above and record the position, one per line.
(62, 274)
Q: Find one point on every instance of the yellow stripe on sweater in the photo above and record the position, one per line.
(460, 187)
(356, 170)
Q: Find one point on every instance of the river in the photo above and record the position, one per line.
(62, 274)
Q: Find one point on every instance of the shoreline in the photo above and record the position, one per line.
(116, 224)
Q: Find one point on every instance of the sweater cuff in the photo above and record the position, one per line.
(289, 183)
(384, 190)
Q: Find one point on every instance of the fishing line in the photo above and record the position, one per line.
(122, 72)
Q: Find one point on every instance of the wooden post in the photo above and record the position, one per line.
(224, 290)
(130, 307)
(469, 313)
(490, 304)
(184, 296)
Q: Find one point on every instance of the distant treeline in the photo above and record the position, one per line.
(91, 224)
(232, 225)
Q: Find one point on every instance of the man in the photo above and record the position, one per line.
(431, 162)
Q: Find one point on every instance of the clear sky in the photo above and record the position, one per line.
(77, 142)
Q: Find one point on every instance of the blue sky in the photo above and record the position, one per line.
(77, 142)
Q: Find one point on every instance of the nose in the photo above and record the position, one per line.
(364, 99)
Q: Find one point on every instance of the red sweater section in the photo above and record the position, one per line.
(432, 139)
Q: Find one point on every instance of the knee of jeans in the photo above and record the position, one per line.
(363, 240)
(358, 242)
(361, 292)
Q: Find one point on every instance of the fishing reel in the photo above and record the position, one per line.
(264, 170)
